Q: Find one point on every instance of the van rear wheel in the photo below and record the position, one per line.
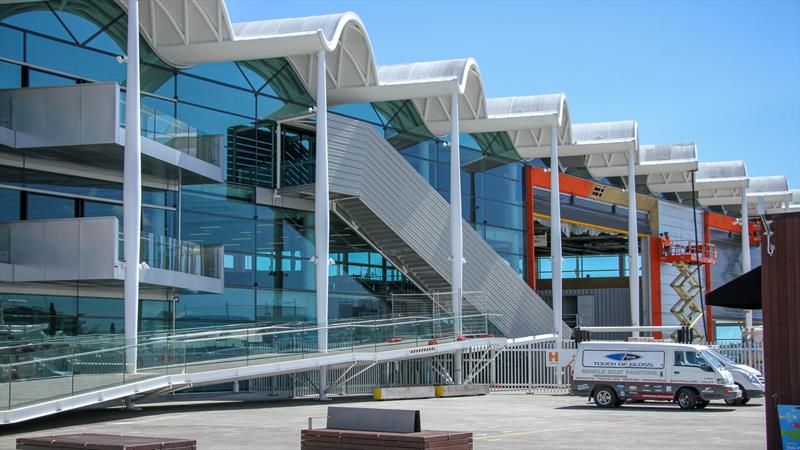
(687, 399)
(605, 397)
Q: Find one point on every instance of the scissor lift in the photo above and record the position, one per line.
(688, 257)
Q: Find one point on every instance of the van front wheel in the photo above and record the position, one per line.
(605, 397)
(687, 399)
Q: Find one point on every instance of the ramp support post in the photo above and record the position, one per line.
(633, 243)
(322, 216)
(132, 190)
(456, 238)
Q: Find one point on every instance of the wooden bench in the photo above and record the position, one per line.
(93, 441)
(327, 438)
(378, 428)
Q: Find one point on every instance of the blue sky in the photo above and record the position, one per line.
(725, 75)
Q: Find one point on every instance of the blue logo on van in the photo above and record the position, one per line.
(623, 356)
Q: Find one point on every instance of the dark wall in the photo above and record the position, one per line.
(780, 291)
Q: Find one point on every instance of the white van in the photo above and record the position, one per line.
(612, 372)
(749, 380)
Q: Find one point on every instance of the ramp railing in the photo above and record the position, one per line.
(56, 377)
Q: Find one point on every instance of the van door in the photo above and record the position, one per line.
(689, 367)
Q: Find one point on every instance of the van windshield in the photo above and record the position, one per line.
(706, 356)
(720, 357)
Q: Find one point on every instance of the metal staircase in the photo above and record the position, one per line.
(380, 195)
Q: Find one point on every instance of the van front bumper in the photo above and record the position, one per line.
(721, 392)
(755, 393)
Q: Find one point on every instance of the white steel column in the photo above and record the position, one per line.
(456, 238)
(132, 189)
(748, 313)
(633, 243)
(555, 236)
(322, 216)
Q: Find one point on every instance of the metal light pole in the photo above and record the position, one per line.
(555, 236)
(748, 314)
(322, 217)
(132, 189)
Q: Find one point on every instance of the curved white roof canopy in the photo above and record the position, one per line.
(773, 189)
(662, 163)
(712, 180)
(594, 138)
(188, 32)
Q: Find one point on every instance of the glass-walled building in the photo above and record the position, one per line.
(229, 152)
(267, 274)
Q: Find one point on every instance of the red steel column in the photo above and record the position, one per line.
(530, 251)
(655, 284)
(707, 267)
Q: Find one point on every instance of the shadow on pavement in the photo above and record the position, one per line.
(111, 414)
(650, 407)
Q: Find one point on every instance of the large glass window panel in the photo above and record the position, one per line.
(43, 21)
(206, 122)
(239, 270)
(49, 207)
(222, 199)
(504, 240)
(424, 150)
(217, 96)
(503, 189)
(38, 304)
(511, 170)
(10, 78)
(205, 229)
(39, 79)
(235, 305)
(9, 205)
(500, 214)
(351, 306)
(155, 309)
(297, 162)
(98, 209)
(70, 59)
(101, 307)
(285, 306)
(154, 222)
(224, 72)
(11, 43)
(72, 185)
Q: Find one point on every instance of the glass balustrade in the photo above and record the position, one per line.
(162, 252)
(164, 128)
(75, 372)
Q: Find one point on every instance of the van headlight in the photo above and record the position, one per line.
(753, 378)
(721, 380)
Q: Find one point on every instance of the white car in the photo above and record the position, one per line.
(749, 380)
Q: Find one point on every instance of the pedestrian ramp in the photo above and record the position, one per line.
(46, 386)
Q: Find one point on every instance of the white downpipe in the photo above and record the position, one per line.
(456, 238)
(132, 189)
(633, 243)
(322, 217)
(748, 313)
(555, 236)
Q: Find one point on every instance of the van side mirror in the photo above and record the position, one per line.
(707, 368)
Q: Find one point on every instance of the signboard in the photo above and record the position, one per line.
(560, 358)
(623, 359)
(789, 420)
